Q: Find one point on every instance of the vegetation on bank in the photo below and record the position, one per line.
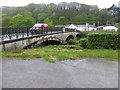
(61, 52)
(99, 40)
(90, 45)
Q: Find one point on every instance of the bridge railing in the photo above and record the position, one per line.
(14, 33)
(54, 30)
(9, 33)
(69, 30)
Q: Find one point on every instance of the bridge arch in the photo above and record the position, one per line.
(45, 41)
(69, 38)
(78, 36)
(50, 42)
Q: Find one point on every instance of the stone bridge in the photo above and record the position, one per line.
(32, 41)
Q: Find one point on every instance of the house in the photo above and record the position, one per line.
(85, 27)
(110, 28)
(71, 26)
(99, 28)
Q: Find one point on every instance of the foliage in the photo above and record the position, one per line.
(83, 42)
(61, 13)
(5, 21)
(90, 19)
(41, 17)
(117, 25)
(0, 19)
(62, 20)
(103, 40)
(83, 34)
(62, 52)
(80, 19)
(17, 21)
(22, 20)
(49, 22)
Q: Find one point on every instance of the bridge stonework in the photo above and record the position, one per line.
(37, 39)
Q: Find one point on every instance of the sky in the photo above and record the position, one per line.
(99, 3)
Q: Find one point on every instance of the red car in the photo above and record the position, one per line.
(39, 28)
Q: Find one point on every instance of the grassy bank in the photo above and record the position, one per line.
(53, 53)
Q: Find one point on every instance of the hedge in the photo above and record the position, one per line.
(83, 34)
(103, 40)
(83, 42)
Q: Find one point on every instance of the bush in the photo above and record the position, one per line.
(103, 40)
(83, 42)
(83, 34)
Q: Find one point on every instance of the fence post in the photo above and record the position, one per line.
(22, 31)
(17, 32)
(27, 31)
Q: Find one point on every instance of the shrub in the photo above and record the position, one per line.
(83, 34)
(83, 42)
(103, 40)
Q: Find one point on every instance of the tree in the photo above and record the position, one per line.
(5, 21)
(41, 17)
(50, 11)
(90, 19)
(117, 25)
(17, 21)
(28, 19)
(0, 19)
(49, 22)
(63, 13)
(80, 19)
(27, 14)
(62, 20)
(21, 21)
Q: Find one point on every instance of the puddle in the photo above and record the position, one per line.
(72, 62)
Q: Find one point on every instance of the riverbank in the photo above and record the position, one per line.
(61, 52)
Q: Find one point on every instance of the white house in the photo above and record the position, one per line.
(85, 27)
(72, 26)
(110, 28)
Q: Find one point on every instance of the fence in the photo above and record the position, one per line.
(9, 33)
(15, 33)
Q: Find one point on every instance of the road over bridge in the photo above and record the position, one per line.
(28, 41)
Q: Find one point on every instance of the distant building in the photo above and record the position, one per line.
(99, 28)
(107, 28)
(72, 26)
(85, 27)
(110, 28)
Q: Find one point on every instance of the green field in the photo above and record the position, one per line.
(62, 52)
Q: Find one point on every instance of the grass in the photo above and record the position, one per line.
(62, 52)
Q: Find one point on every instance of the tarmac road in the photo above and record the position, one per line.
(35, 73)
(0, 73)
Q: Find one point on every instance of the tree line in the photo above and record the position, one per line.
(58, 14)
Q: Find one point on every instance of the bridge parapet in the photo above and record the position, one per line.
(20, 43)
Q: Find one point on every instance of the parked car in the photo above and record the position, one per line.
(39, 28)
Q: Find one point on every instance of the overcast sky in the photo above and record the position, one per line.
(99, 3)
